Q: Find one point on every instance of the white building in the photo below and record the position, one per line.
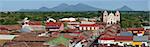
(67, 19)
(111, 18)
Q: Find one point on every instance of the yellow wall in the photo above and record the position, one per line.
(137, 43)
(142, 32)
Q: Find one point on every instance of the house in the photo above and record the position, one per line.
(92, 19)
(146, 27)
(139, 40)
(135, 31)
(5, 32)
(54, 26)
(83, 19)
(10, 27)
(122, 40)
(26, 44)
(106, 40)
(6, 38)
(67, 19)
(29, 26)
(50, 20)
(125, 34)
(73, 25)
(36, 25)
(87, 22)
(88, 27)
(31, 38)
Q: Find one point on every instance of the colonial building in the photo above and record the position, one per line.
(111, 18)
(88, 27)
(54, 26)
(29, 26)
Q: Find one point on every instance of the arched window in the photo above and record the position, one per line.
(111, 22)
(108, 22)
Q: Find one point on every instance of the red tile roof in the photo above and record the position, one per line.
(89, 25)
(72, 30)
(105, 38)
(69, 36)
(31, 38)
(26, 44)
(53, 24)
(35, 23)
(123, 38)
(10, 27)
(107, 35)
(139, 32)
(135, 29)
(4, 32)
(77, 32)
(3, 28)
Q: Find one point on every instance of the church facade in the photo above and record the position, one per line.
(111, 18)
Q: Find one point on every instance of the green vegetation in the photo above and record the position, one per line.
(59, 40)
(128, 18)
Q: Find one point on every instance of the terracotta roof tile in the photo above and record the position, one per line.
(53, 24)
(35, 23)
(31, 38)
(105, 38)
(89, 25)
(123, 38)
(135, 29)
(10, 27)
(26, 44)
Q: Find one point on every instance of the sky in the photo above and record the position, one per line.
(13, 5)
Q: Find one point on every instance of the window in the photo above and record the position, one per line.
(121, 42)
(108, 22)
(111, 22)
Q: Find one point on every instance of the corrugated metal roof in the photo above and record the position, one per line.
(140, 38)
(125, 34)
(26, 29)
(7, 37)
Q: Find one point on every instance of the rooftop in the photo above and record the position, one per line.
(135, 29)
(123, 38)
(35, 23)
(53, 24)
(91, 25)
(7, 37)
(10, 27)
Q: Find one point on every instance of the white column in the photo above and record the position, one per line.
(88, 28)
(92, 28)
(80, 28)
(84, 28)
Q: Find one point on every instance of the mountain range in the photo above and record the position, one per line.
(78, 7)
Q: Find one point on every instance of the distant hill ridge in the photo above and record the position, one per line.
(78, 7)
(125, 8)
